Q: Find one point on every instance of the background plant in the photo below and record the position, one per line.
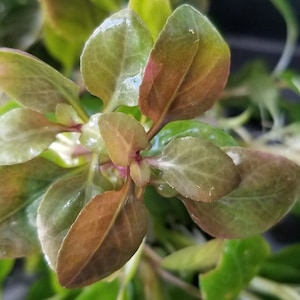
(87, 167)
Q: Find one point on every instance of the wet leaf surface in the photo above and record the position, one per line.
(269, 188)
(114, 57)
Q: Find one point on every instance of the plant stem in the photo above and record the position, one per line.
(156, 262)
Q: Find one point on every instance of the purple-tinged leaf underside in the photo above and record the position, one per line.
(269, 188)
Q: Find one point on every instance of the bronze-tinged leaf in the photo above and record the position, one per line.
(269, 188)
(187, 69)
(105, 235)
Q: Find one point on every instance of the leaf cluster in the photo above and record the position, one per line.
(74, 183)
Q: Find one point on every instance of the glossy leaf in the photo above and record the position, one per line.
(239, 263)
(187, 69)
(198, 169)
(268, 189)
(25, 130)
(66, 151)
(113, 59)
(61, 206)
(123, 137)
(105, 235)
(20, 192)
(161, 9)
(33, 83)
(195, 128)
(195, 258)
(90, 135)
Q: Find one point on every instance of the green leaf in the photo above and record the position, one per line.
(195, 128)
(107, 288)
(113, 59)
(27, 130)
(187, 69)
(195, 258)
(66, 115)
(6, 266)
(239, 263)
(60, 207)
(72, 20)
(284, 265)
(63, 50)
(123, 137)
(111, 227)
(268, 190)
(33, 83)
(20, 192)
(108, 5)
(161, 9)
(198, 169)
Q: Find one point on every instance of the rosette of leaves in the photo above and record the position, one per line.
(73, 183)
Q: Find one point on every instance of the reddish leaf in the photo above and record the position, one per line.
(187, 68)
(104, 236)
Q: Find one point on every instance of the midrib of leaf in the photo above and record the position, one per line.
(127, 187)
(156, 126)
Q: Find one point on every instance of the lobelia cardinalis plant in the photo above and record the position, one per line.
(73, 182)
